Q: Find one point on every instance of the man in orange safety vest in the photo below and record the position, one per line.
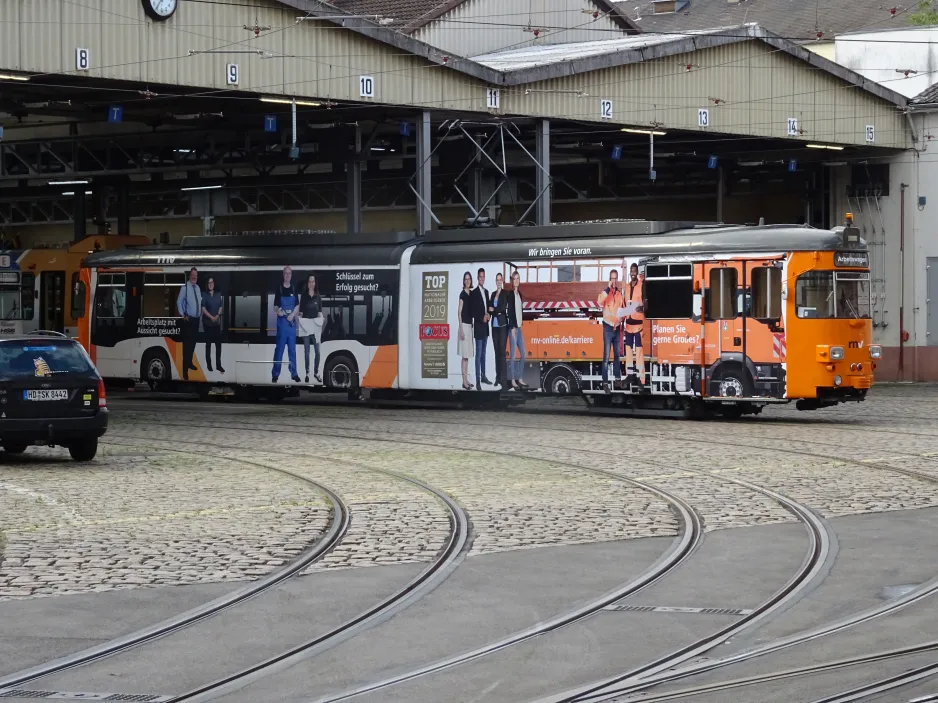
(633, 325)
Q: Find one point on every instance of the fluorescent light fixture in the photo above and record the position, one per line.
(72, 192)
(12, 77)
(68, 183)
(824, 146)
(202, 187)
(289, 101)
(183, 151)
(643, 131)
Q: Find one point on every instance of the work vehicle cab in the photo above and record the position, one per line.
(50, 394)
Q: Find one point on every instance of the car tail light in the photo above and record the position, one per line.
(102, 397)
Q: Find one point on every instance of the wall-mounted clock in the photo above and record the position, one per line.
(160, 10)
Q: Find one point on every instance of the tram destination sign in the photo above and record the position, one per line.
(852, 259)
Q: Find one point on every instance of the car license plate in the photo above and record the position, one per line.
(45, 395)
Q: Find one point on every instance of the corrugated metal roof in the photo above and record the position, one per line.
(929, 96)
(798, 20)
(533, 56)
(409, 15)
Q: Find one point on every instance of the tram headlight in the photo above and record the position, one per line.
(876, 351)
(838, 380)
(837, 353)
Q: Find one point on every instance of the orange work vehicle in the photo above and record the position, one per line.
(715, 319)
(40, 288)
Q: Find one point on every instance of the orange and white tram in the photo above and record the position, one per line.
(728, 319)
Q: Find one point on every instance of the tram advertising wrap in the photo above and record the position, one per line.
(670, 318)
(260, 326)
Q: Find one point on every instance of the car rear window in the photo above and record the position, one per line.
(19, 358)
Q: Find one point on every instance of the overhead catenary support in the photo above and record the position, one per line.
(423, 189)
(354, 184)
(542, 157)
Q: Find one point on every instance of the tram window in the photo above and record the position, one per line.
(110, 296)
(246, 312)
(814, 295)
(336, 312)
(766, 303)
(565, 272)
(78, 297)
(360, 317)
(852, 294)
(10, 301)
(669, 298)
(722, 298)
(160, 291)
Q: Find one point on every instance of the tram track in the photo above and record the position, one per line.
(687, 541)
(820, 538)
(650, 679)
(761, 679)
(443, 564)
(340, 519)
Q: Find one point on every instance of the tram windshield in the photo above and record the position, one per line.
(833, 294)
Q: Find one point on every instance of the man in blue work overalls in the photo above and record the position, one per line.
(285, 303)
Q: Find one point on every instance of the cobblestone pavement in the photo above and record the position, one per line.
(168, 502)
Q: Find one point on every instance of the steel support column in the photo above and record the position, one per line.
(720, 189)
(123, 209)
(542, 156)
(354, 184)
(423, 188)
(79, 216)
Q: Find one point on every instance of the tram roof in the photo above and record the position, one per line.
(606, 239)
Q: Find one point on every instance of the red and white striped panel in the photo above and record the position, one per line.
(560, 305)
(778, 347)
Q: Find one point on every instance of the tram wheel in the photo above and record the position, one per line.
(155, 368)
(561, 380)
(732, 381)
(340, 372)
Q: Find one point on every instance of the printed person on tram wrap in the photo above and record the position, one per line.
(311, 321)
(498, 309)
(466, 345)
(480, 328)
(515, 312)
(287, 305)
(212, 311)
(189, 306)
(634, 321)
(611, 301)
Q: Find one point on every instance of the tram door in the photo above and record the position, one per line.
(52, 300)
(722, 313)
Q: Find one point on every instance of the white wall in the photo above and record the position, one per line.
(878, 55)
(918, 170)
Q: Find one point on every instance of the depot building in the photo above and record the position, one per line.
(166, 119)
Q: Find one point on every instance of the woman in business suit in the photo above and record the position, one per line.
(498, 310)
(515, 336)
(465, 347)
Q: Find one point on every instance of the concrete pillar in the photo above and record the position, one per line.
(423, 173)
(79, 214)
(354, 184)
(542, 155)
